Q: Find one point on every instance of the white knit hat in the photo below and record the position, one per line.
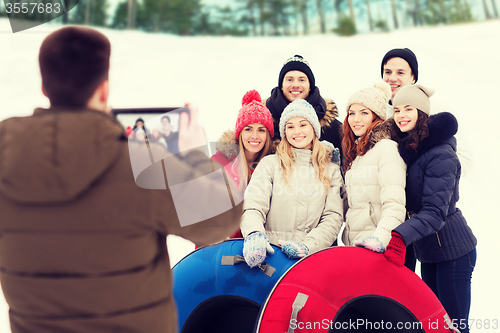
(374, 98)
(300, 108)
(415, 95)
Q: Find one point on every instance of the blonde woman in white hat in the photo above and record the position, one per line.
(293, 198)
(375, 172)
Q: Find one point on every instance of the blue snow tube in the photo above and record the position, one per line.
(216, 291)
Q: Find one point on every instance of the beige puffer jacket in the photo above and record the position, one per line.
(375, 186)
(300, 211)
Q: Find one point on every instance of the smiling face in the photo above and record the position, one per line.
(254, 137)
(398, 74)
(360, 118)
(405, 117)
(299, 133)
(295, 85)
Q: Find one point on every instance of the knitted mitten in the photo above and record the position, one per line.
(293, 249)
(336, 156)
(255, 247)
(335, 152)
(396, 250)
(372, 243)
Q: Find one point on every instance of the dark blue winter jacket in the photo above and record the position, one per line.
(438, 229)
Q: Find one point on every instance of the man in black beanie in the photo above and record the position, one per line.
(296, 80)
(399, 68)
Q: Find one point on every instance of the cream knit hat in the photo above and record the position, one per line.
(415, 95)
(300, 108)
(375, 98)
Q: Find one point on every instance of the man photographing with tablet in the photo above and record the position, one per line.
(82, 246)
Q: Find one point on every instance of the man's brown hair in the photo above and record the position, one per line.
(73, 62)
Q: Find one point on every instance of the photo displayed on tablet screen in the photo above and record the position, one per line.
(152, 125)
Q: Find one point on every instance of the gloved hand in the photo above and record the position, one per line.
(396, 250)
(371, 243)
(293, 249)
(255, 247)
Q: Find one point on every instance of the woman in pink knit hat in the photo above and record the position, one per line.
(240, 151)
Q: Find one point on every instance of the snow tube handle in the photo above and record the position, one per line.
(233, 260)
(450, 324)
(297, 305)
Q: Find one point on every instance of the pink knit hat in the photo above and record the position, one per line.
(253, 111)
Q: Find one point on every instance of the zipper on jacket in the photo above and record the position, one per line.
(372, 214)
(439, 241)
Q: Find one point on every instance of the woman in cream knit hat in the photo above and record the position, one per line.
(375, 172)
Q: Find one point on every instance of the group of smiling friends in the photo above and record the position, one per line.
(390, 172)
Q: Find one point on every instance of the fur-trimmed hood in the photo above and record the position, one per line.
(228, 145)
(332, 112)
(379, 132)
(442, 128)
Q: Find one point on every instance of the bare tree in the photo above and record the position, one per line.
(131, 14)
(351, 10)
(262, 16)
(410, 11)
(295, 11)
(369, 13)
(418, 16)
(249, 6)
(443, 10)
(303, 13)
(87, 12)
(394, 14)
(321, 14)
(253, 21)
(337, 4)
(105, 5)
(495, 11)
(486, 11)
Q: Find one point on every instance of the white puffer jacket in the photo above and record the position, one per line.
(299, 211)
(375, 186)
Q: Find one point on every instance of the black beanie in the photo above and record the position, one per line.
(405, 54)
(297, 63)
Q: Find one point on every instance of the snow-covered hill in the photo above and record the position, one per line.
(461, 62)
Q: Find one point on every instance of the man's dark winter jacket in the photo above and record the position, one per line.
(82, 247)
(438, 229)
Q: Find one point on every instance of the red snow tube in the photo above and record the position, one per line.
(349, 289)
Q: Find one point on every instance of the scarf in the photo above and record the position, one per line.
(278, 102)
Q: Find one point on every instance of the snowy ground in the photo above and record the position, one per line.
(461, 62)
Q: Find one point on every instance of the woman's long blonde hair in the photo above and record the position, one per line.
(241, 164)
(320, 157)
